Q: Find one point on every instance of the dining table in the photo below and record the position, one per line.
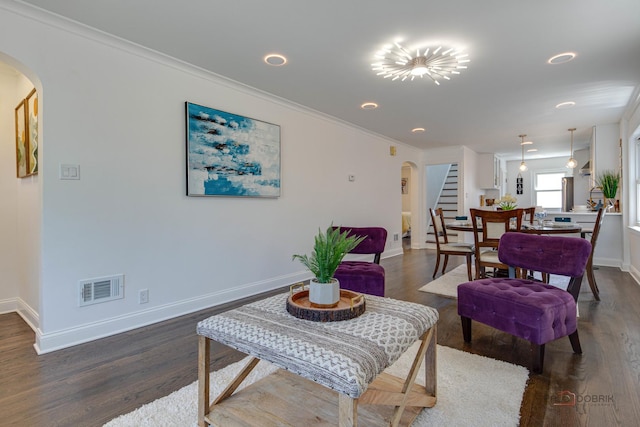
(545, 228)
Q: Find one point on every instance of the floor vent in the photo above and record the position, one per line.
(101, 289)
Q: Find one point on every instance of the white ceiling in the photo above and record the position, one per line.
(507, 90)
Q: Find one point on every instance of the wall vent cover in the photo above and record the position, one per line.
(100, 289)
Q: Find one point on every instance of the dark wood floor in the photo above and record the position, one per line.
(89, 384)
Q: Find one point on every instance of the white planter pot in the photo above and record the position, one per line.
(324, 294)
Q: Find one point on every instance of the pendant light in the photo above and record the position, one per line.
(571, 163)
(523, 165)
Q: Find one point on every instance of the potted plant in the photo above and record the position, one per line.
(328, 251)
(507, 202)
(608, 182)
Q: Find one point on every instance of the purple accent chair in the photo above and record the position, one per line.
(363, 276)
(529, 309)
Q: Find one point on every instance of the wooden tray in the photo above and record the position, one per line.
(350, 305)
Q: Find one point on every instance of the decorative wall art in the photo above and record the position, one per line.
(231, 155)
(22, 146)
(26, 115)
(32, 130)
(519, 184)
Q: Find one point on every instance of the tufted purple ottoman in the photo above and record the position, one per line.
(535, 311)
(362, 276)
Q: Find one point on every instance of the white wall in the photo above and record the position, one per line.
(607, 148)
(118, 112)
(630, 134)
(8, 195)
(472, 191)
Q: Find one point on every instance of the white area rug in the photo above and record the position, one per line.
(447, 285)
(472, 391)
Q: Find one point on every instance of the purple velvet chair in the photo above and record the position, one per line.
(363, 276)
(528, 309)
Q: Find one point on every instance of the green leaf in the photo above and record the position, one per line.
(328, 251)
(608, 182)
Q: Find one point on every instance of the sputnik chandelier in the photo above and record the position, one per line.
(396, 62)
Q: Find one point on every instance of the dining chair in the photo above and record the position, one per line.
(488, 227)
(529, 214)
(594, 238)
(446, 248)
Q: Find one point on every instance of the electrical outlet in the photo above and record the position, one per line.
(143, 296)
(395, 237)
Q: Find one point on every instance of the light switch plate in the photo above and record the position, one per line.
(69, 171)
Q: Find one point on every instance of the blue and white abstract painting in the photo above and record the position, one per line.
(231, 155)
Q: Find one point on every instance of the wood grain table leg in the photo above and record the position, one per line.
(204, 351)
(431, 364)
(204, 365)
(404, 392)
(347, 411)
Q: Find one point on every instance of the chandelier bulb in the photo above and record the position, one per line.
(523, 165)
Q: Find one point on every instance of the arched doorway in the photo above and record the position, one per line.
(21, 192)
(411, 217)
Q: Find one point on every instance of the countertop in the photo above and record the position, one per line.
(580, 213)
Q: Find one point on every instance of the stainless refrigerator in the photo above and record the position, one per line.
(567, 193)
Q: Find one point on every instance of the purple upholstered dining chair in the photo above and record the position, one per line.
(528, 309)
(364, 276)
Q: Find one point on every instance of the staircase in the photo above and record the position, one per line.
(448, 201)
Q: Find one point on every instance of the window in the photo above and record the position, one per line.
(548, 189)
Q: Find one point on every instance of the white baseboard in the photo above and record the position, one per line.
(635, 274)
(57, 340)
(29, 315)
(607, 262)
(8, 305)
(24, 310)
(392, 253)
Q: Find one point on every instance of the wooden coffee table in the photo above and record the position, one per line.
(347, 357)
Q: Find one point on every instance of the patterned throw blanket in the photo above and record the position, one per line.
(345, 356)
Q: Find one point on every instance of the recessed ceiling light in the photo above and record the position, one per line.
(561, 58)
(417, 130)
(275, 59)
(567, 104)
(531, 150)
(369, 106)
(526, 143)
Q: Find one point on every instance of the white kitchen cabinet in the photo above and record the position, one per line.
(489, 171)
